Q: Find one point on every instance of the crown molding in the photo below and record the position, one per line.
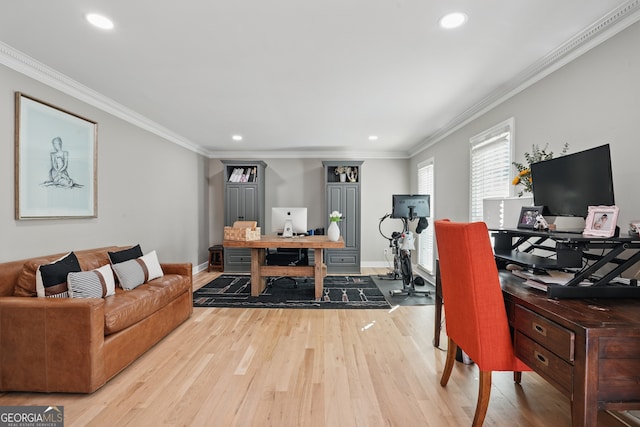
(317, 154)
(597, 33)
(38, 71)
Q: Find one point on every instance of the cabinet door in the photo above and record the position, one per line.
(344, 198)
(250, 204)
(234, 204)
(350, 210)
(241, 203)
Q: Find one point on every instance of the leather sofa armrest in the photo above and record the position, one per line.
(183, 269)
(51, 344)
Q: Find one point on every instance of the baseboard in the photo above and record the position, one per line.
(201, 267)
(374, 264)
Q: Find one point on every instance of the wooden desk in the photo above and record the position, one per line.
(260, 271)
(589, 349)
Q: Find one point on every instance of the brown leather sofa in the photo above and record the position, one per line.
(78, 344)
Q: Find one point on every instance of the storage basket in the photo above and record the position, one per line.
(242, 230)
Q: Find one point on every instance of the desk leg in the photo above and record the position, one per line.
(318, 272)
(584, 403)
(258, 282)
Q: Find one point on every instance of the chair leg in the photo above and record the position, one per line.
(517, 377)
(484, 393)
(452, 347)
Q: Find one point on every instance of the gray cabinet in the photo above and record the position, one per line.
(243, 201)
(344, 197)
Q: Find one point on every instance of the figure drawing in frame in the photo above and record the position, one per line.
(58, 174)
(56, 162)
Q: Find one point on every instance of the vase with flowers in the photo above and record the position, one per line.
(333, 232)
(342, 172)
(524, 170)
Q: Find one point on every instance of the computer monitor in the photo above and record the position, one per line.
(568, 185)
(410, 206)
(288, 221)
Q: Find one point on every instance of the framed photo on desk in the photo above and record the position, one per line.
(528, 216)
(601, 221)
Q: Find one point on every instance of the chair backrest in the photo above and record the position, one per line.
(288, 256)
(475, 312)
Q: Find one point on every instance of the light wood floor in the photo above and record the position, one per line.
(294, 367)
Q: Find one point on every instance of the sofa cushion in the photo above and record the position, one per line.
(125, 254)
(51, 279)
(126, 308)
(135, 272)
(96, 283)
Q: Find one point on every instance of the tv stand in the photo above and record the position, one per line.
(560, 251)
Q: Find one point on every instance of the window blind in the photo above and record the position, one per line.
(425, 239)
(490, 166)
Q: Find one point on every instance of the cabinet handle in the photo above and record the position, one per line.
(540, 329)
(541, 358)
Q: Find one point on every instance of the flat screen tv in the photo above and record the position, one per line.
(568, 185)
(410, 206)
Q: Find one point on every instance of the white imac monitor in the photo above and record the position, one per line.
(289, 221)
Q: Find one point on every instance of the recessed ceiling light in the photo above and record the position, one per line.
(453, 20)
(100, 21)
(373, 138)
(237, 137)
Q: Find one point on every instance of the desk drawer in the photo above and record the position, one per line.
(549, 334)
(544, 362)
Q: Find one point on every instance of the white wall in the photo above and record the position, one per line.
(591, 101)
(150, 191)
(300, 182)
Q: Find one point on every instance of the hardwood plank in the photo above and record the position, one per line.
(277, 367)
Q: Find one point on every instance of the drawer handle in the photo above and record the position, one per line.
(540, 329)
(541, 358)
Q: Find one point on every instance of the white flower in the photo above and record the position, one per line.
(335, 216)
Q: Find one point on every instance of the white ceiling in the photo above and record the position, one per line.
(300, 78)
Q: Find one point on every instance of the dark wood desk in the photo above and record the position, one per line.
(260, 271)
(589, 349)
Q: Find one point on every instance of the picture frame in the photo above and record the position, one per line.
(527, 218)
(56, 160)
(601, 221)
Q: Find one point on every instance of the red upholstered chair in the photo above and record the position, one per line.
(475, 314)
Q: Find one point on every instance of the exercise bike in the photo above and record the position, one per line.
(401, 244)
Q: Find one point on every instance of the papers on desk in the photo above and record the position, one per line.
(540, 281)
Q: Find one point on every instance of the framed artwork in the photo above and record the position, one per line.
(601, 221)
(528, 215)
(55, 162)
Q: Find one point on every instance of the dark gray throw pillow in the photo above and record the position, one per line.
(125, 255)
(51, 279)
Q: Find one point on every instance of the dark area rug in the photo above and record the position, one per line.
(385, 285)
(339, 292)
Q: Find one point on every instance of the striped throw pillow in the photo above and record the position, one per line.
(98, 283)
(135, 272)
